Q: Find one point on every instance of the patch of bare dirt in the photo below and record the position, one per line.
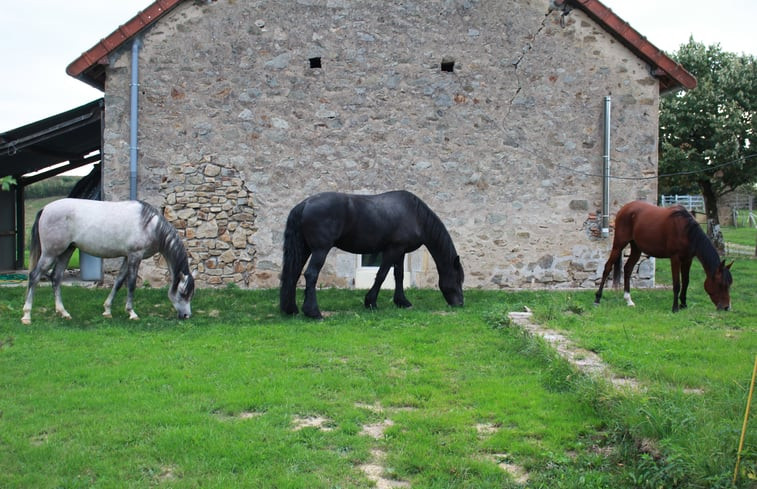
(167, 474)
(376, 430)
(318, 422)
(375, 471)
(241, 415)
(486, 428)
(518, 473)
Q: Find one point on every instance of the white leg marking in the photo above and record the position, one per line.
(627, 297)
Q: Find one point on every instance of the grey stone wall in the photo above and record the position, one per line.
(235, 128)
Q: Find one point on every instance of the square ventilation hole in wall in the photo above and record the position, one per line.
(315, 62)
(448, 65)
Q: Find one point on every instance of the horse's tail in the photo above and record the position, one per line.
(35, 247)
(617, 269)
(295, 255)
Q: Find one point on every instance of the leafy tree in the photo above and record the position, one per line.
(707, 135)
(6, 182)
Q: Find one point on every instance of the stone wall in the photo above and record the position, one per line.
(506, 148)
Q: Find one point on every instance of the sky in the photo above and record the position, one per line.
(40, 38)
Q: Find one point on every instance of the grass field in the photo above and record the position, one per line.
(239, 396)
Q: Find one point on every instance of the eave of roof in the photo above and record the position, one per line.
(670, 74)
(90, 66)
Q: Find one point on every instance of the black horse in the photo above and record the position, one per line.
(393, 223)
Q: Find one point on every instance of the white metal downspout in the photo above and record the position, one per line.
(606, 172)
(134, 118)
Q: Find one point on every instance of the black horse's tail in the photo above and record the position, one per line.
(35, 248)
(295, 255)
(617, 269)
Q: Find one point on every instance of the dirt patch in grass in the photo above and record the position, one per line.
(375, 471)
(317, 422)
(518, 473)
(376, 431)
(241, 415)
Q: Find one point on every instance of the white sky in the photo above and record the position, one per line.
(40, 38)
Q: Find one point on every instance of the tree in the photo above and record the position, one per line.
(707, 135)
(7, 182)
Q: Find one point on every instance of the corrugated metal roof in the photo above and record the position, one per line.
(74, 136)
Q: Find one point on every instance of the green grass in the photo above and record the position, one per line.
(94, 402)
(746, 236)
(112, 403)
(695, 366)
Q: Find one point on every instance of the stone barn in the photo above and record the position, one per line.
(524, 124)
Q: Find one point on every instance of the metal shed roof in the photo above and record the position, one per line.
(73, 137)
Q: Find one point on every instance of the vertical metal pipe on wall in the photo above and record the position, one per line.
(606, 171)
(134, 118)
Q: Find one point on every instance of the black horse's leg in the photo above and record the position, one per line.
(57, 276)
(133, 267)
(399, 290)
(310, 306)
(372, 296)
(685, 268)
(116, 285)
(633, 259)
(675, 268)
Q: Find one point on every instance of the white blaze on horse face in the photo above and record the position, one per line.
(627, 297)
(181, 298)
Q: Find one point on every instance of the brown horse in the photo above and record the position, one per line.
(666, 232)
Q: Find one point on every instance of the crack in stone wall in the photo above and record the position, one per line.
(528, 47)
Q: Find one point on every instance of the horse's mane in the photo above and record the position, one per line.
(169, 241)
(439, 242)
(699, 243)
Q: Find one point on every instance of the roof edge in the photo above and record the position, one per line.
(671, 74)
(98, 54)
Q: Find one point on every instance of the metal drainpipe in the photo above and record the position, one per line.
(606, 172)
(133, 118)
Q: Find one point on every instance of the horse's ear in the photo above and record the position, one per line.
(456, 262)
(729, 265)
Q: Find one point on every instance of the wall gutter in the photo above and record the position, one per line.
(606, 171)
(134, 118)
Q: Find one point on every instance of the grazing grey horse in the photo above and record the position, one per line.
(132, 229)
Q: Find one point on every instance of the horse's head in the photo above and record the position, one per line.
(718, 286)
(451, 283)
(181, 295)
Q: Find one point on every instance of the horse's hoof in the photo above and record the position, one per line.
(313, 314)
(596, 303)
(372, 307)
(26, 321)
(107, 314)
